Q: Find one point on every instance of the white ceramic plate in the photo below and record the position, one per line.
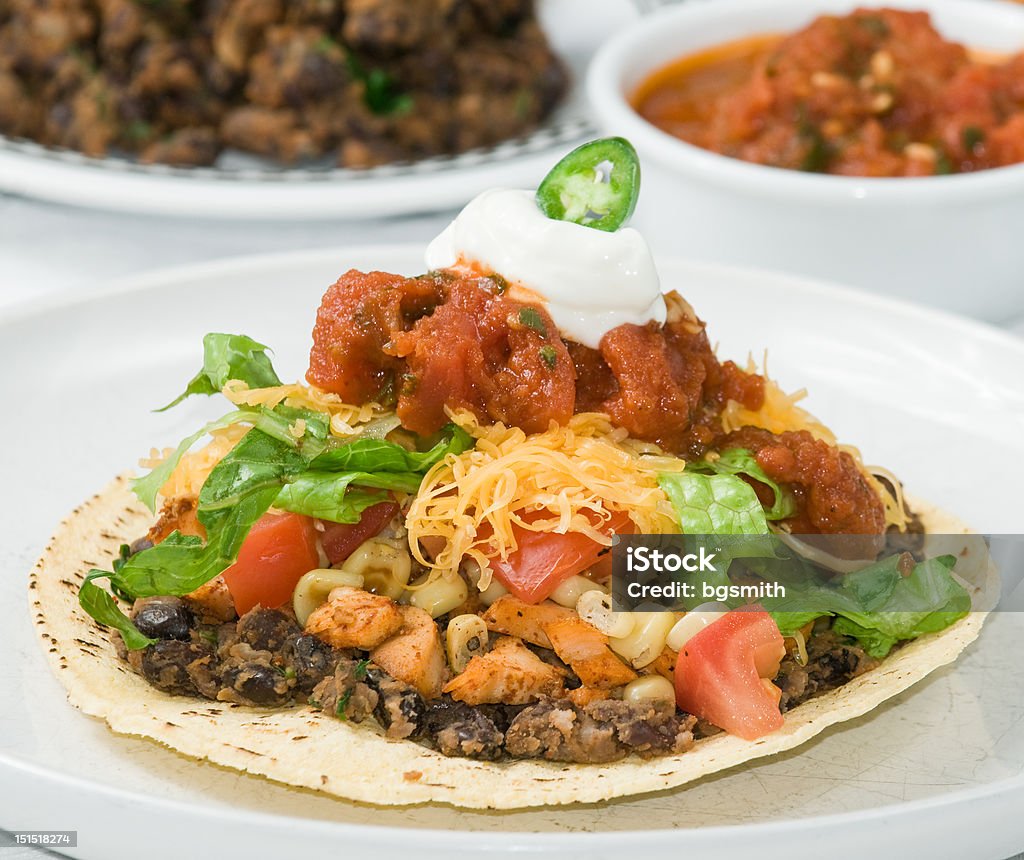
(937, 773)
(245, 187)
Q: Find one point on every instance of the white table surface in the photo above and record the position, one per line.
(46, 248)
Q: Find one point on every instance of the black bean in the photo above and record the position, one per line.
(313, 661)
(259, 683)
(267, 629)
(163, 618)
(165, 665)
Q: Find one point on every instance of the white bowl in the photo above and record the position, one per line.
(952, 241)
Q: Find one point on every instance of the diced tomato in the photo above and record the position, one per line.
(543, 560)
(278, 550)
(723, 673)
(340, 540)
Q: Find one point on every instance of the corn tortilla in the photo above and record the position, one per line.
(302, 747)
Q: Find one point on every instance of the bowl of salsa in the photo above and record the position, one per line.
(877, 146)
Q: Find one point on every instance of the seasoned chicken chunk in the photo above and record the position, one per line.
(513, 617)
(415, 655)
(586, 650)
(212, 600)
(355, 618)
(177, 515)
(510, 674)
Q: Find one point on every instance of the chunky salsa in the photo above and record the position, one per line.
(878, 92)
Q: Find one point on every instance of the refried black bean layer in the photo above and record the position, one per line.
(264, 659)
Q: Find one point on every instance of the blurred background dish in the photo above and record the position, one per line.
(355, 84)
(947, 240)
(290, 110)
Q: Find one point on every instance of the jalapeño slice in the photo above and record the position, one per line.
(595, 185)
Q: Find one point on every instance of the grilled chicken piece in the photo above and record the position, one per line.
(586, 650)
(510, 674)
(212, 600)
(583, 696)
(177, 515)
(513, 617)
(355, 619)
(415, 655)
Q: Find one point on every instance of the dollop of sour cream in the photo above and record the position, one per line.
(590, 281)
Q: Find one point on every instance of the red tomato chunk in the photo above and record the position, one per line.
(722, 674)
(543, 561)
(340, 540)
(278, 550)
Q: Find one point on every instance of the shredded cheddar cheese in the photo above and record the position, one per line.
(345, 418)
(191, 473)
(778, 413)
(568, 479)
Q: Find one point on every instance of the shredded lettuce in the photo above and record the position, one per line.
(229, 356)
(275, 423)
(719, 504)
(877, 605)
(378, 455)
(101, 606)
(740, 461)
(306, 473)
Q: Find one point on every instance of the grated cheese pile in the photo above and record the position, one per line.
(778, 413)
(345, 418)
(567, 479)
(191, 473)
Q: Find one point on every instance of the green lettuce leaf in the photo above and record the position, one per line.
(229, 356)
(876, 605)
(327, 496)
(926, 601)
(240, 489)
(101, 606)
(718, 504)
(378, 455)
(740, 461)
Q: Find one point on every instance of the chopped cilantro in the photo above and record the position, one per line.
(138, 130)
(380, 90)
(819, 151)
(325, 45)
(973, 138)
(387, 396)
(531, 318)
(549, 356)
(343, 700)
(500, 284)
